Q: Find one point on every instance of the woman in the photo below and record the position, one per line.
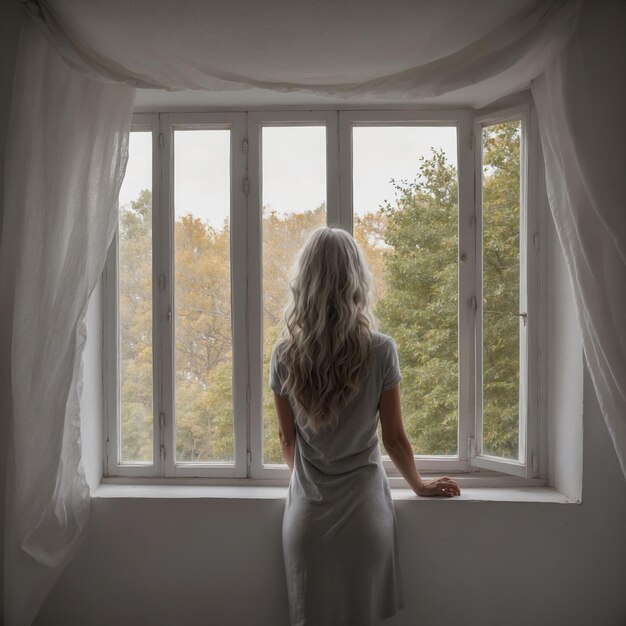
(333, 374)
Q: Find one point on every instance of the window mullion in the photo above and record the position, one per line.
(110, 313)
(254, 296)
(157, 284)
(164, 309)
(530, 283)
(525, 247)
(334, 175)
(467, 271)
(534, 286)
(345, 171)
(240, 320)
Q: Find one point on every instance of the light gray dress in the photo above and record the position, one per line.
(339, 533)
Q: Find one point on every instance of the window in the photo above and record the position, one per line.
(214, 207)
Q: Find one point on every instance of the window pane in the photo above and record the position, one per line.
(501, 288)
(294, 204)
(135, 303)
(406, 220)
(202, 292)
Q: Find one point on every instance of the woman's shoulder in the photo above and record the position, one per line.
(279, 346)
(278, 349)
(381, 341)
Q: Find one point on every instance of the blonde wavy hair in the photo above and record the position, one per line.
(326, 343)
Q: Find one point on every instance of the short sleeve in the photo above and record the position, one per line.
(391, 371)
(277, 373)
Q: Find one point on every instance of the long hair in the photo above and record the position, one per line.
(326, 344)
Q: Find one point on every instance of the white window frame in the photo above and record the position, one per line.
(246, 287)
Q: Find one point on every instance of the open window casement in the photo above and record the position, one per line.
(503, 434)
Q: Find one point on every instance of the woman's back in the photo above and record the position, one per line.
(353, 442)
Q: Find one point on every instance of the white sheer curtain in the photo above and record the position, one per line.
(415, 49)
(67, 150)
(581, 104)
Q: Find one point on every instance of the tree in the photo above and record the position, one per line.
(203, 347)
(369, 233)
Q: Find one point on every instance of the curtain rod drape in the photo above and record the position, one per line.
(516, 51)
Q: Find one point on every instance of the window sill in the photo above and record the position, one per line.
(271, 492)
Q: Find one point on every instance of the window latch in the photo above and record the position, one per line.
(162, 436)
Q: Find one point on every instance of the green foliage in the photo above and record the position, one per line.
(411, 246)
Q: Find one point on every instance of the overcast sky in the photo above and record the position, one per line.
(294, 166)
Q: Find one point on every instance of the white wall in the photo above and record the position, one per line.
(91, 398)
(564, 376)
(10, 19)
(11, 14)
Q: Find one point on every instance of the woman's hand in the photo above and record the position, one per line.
(439, 487)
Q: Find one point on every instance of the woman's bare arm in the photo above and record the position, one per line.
(400, 452)
(286, 428)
